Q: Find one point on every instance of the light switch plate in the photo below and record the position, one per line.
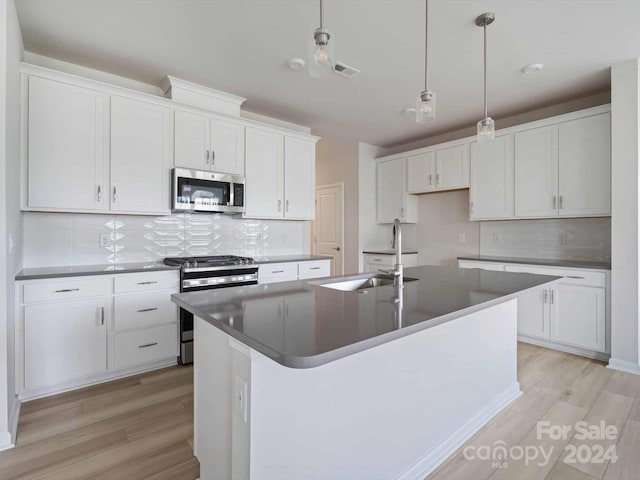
(240, 397)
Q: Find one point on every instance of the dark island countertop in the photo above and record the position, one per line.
(540, 261)
(303, 324)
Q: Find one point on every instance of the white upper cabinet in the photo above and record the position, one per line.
(452, 167)
(66, 147)
(585, 166)
(264, 164)
(436, 170)
(207, 143)
(536, 172)
(421, 172)
(491, 192)
(299, 178)
(392, 198)
(141, 146)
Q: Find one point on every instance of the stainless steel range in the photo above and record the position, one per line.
(204, 273)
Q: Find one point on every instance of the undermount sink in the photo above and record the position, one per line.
(363, 283)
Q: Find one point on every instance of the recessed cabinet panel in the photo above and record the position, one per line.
(585, 166)
(66, 128)
(491, 192)
(264, 163)
(390, 190)
(64, 341)
(141, 145)
(452, 168)
(536, 172)
(578, 316)
(299, 178)
(191, 140)
(227, 147)
(421, 170)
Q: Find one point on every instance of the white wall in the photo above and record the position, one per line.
(11, 51)
(337, 161)
(625, 115)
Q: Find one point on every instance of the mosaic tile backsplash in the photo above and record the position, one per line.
(586, 239)
(59, 239)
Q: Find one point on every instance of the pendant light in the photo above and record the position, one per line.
(486, 126)
(322, 55)
(426, 101)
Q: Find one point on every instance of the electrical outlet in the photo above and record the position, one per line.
(462, 238)
(562, 239)
(495, 238)
(104, 240)
(240, 397)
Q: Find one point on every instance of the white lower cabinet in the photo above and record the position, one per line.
(76, 331)
(376, 262)
(288, 271)
(570, 315)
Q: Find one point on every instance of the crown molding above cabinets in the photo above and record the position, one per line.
(91, 147)
(189, 93)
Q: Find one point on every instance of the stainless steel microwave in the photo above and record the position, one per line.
(203, 191)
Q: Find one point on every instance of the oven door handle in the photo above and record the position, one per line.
(219, 281)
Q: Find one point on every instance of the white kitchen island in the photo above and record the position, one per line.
(300, 381)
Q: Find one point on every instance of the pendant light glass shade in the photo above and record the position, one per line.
(486, 130)
(321, 49)
(426, 101)
(425, 106)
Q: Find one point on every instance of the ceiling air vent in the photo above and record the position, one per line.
(345, 70)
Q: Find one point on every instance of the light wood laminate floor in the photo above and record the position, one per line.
(141, 427)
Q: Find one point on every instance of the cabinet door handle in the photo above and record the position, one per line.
(213, 157)
(99, 193)
(147, 283)
(554, 202)
(207, 159)
(575, 276)
(147, 345)
(430, 179)
(147, 309)
(437, 178)
(314, 268)
(561, 202)
(115, 194)
(286, 205)
(101, 316)
(545, 299)
(402, 212)
(472, 207)
(277, 271)
(552, 300)
(279, 205)
(66, 290)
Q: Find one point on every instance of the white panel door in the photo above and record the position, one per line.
(421, 172)
(227, 147)
(264, 164)
(299, 178)
(191, 140)
(578, 316)
(585, 166)
(64, 341)
(141, 146)
(66, 147)
(491, 189)
(390, 185)
(328, 226)
(452, 170)
(536, 172)
(533, 314)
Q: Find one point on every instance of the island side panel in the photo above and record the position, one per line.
(393, 411)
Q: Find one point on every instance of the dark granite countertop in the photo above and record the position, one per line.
(389, 252)
(540, 261)
(324, 324)
(87, 270)
(289, 258)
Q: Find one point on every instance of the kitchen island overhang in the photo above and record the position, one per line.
(387, 409)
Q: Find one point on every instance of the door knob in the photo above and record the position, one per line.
(337, 249)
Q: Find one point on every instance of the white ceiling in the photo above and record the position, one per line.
(241, 46)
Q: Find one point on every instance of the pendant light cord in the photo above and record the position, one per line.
(485, 68)
(426, 46)
(321, 14)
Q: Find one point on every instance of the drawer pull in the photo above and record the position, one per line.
(277, 271)
(147, 283)
(314, 268)
(575, 276)
(377, 259)
(147, 345)
(147, 309)
(65, 290)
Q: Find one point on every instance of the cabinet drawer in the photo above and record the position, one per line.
(321, 268)
(386, 260)
(78, 287)
(275, 271)
(140, 282)
(144, 346)
(144, 309)
(585, 278)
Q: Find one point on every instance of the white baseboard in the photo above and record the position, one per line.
(565, 348)
(8, 439)
(624, 366)
(433, 459)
